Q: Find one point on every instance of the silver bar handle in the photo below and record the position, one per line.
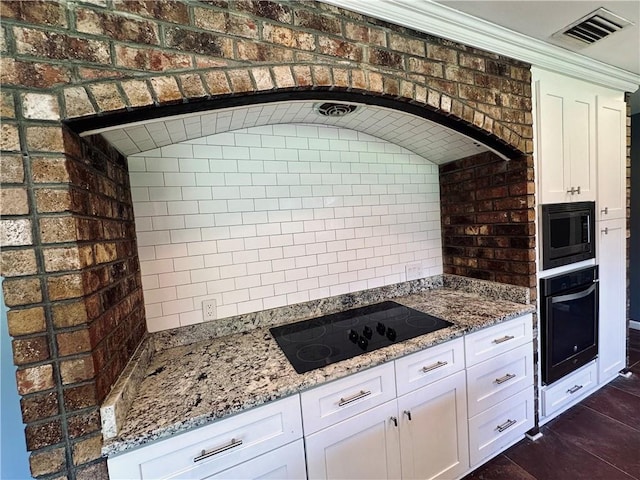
(506, 378)
(204, 454)
(574, 389)
(357, 396)
(506, 338)
(505, 425)
(438, 364)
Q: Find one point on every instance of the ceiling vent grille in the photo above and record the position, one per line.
(593, 27)
(335, 109)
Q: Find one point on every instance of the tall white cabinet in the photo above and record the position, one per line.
(581, 142)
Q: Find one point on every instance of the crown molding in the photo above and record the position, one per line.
(442, 21)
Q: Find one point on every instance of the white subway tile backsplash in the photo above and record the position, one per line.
(268, 216)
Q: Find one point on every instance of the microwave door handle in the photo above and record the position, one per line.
(574, 296)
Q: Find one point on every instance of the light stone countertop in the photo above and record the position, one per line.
(188, 386)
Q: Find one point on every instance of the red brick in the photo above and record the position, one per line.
(241, 81)
(7, 105)
(107, 96)
(35, 11)
(9, 137)
(60, 46)
(30, 350)
(45, 139)
(192, 86)
(314, 21)
(137, 92)
(339, 48)
(271, 10)
(116, 27)
(35, 379)
(148, 59)
(404, 44)
(166, 89)
(43, 435)
(29, 74)
(425, 67)
(288, 37)
(262, 52)
(204, 43)
(166, 10)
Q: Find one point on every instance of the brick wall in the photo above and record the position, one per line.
(488, 214)
(68, 251)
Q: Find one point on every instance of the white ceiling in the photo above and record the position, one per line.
(542, 18)
(430, 140)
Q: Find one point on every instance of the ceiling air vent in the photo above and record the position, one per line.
(593, 27)
(335, 109)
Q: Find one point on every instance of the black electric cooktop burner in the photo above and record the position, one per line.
(317, 342)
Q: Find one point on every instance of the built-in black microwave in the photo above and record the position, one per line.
(568, 233)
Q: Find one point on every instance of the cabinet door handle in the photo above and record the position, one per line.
(505, 425)
(408, 414)
(574, 389)
(605, 230)
(571, 191)
(204, 454)
(506, 338)
(438, 364)
(357, 396)
(578, 190)
(506, 378)
(395, 421)
(605, 211)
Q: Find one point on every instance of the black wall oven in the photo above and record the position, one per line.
(569, 308)
(568, 233)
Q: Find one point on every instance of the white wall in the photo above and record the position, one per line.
(276, 215)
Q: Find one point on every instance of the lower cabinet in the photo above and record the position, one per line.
(250, 441)
(433, 430)
(422, 434)
(284, 463)
(363, 447)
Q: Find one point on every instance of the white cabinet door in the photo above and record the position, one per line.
(366, 446)
(580, 123)
(433, 433)
(612, 325)
(284, 463)
(612, 159)
(553, 149)
(566, 140)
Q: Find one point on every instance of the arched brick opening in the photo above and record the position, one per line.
(136, 101)
(69, 258)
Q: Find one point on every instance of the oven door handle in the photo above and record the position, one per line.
(575, 296)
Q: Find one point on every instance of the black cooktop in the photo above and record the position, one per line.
(317, 342)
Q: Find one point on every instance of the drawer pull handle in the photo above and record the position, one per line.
(204, 454)
(605, 210)
(506, 378)
(574, 389)
(357, 396)
(506, 338)
(505, 425)
(438, 364)
(395, 421)
(408, 414)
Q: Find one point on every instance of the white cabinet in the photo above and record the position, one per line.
(612, 304)
(284, 463)
(499, 387)
(612, 159)
(363, 447)
(569, 390)
(433, 430)
(209, 450)
(566, 139)
(421, 434)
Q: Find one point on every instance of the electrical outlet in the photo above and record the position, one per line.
(413, 271)
(209, 308)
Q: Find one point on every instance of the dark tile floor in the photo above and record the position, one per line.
(597, 439)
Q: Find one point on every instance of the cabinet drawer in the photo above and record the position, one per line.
(284, 463)
(496, 379)
(495, 429)
(421, 368)
(228, 442)
(339, 400)
(492, 341)
(569, 389)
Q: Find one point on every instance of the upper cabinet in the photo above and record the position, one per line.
(612, 173)
(566, 139)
